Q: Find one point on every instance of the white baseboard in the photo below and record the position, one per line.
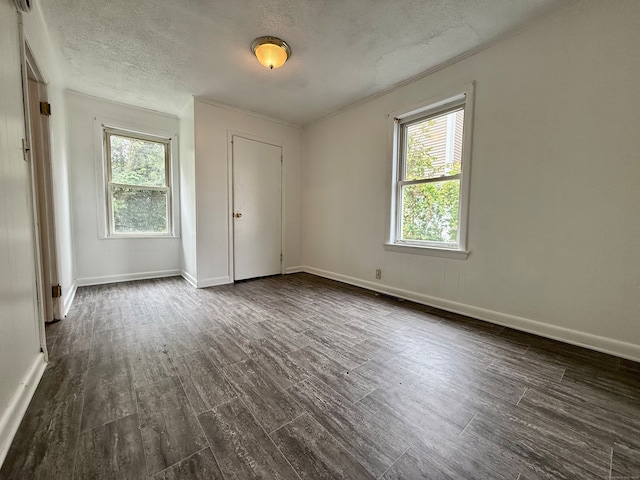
(12, 416)
(127, 277)
(297, 269)
(189, 278)
(611, 346)
(212, 282)
(68, 299)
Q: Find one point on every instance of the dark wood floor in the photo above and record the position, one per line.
(298, 377)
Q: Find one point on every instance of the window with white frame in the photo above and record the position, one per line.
(431, 174)
(138, 183)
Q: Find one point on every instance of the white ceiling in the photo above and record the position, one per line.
(157, 53)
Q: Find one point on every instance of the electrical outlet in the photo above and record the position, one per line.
(378, 274)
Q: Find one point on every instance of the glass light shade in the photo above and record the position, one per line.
(271, 55)
(271, 52)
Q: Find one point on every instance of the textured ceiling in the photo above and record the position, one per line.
(157, 53)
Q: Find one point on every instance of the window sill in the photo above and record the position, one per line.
(431, 251)
(142, 236)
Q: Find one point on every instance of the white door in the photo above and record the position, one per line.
(257, 208)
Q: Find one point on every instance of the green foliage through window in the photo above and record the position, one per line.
(139, 185)
(139, 211)
(433, 163)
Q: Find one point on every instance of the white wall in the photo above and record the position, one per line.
(21, 362)
(108, 260)
(188, 193)
(553, 222)
(39, 42)
(213, 123)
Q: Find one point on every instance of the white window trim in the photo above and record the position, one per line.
(103, 197)
(462, 95)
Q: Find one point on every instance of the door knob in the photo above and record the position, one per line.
(238, 215)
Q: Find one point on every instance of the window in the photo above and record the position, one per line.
(431, 169)
(138, 184)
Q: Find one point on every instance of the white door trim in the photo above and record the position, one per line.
(283, 202)
(42, 204)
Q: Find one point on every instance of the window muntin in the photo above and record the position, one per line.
(429, 179)
(138, 186)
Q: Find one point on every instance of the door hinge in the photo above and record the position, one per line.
(25, 150)
(280, 257)
(45, 108)
(56, 291)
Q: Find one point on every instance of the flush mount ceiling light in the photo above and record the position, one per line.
(271, 51)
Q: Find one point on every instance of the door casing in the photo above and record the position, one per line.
(38, 154)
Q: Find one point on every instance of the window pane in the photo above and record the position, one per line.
(434, 146)
(137, 162)
(430, 211)
(139, 211)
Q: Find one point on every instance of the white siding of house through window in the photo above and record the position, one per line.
(444, 139)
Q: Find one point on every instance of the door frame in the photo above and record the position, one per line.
(283, 196)
(42, 202)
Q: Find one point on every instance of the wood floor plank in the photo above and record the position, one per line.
(178, 340)
(629, 365)
(203, 383)
(271, 405)
(443, 457)
(270, 328)
(74, 336)
(111, 451)
(109, 394)
(199, 320)
(242, 449)
(535, 454)
(606, 425)
(386, 373)
(474, 457)
(279, 322)
(243, 335)
(408, 413)
(413, 465)
(625, 462)
(220, 347)
(169, 312)
(276, 362)
(105, 321)
(500, 346)
(170, 430)
(591, 449)
(366, 439)
(475, 379)
(528, 371)
(63, 378)
(623, 383)
(199, 466)
(426, 352)
(379, 348)
(587, 392)
(337, 347)
(149, 363)
(314, 453)
(108, 347)
(45, 445)
(349, 383)
(51, 330)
